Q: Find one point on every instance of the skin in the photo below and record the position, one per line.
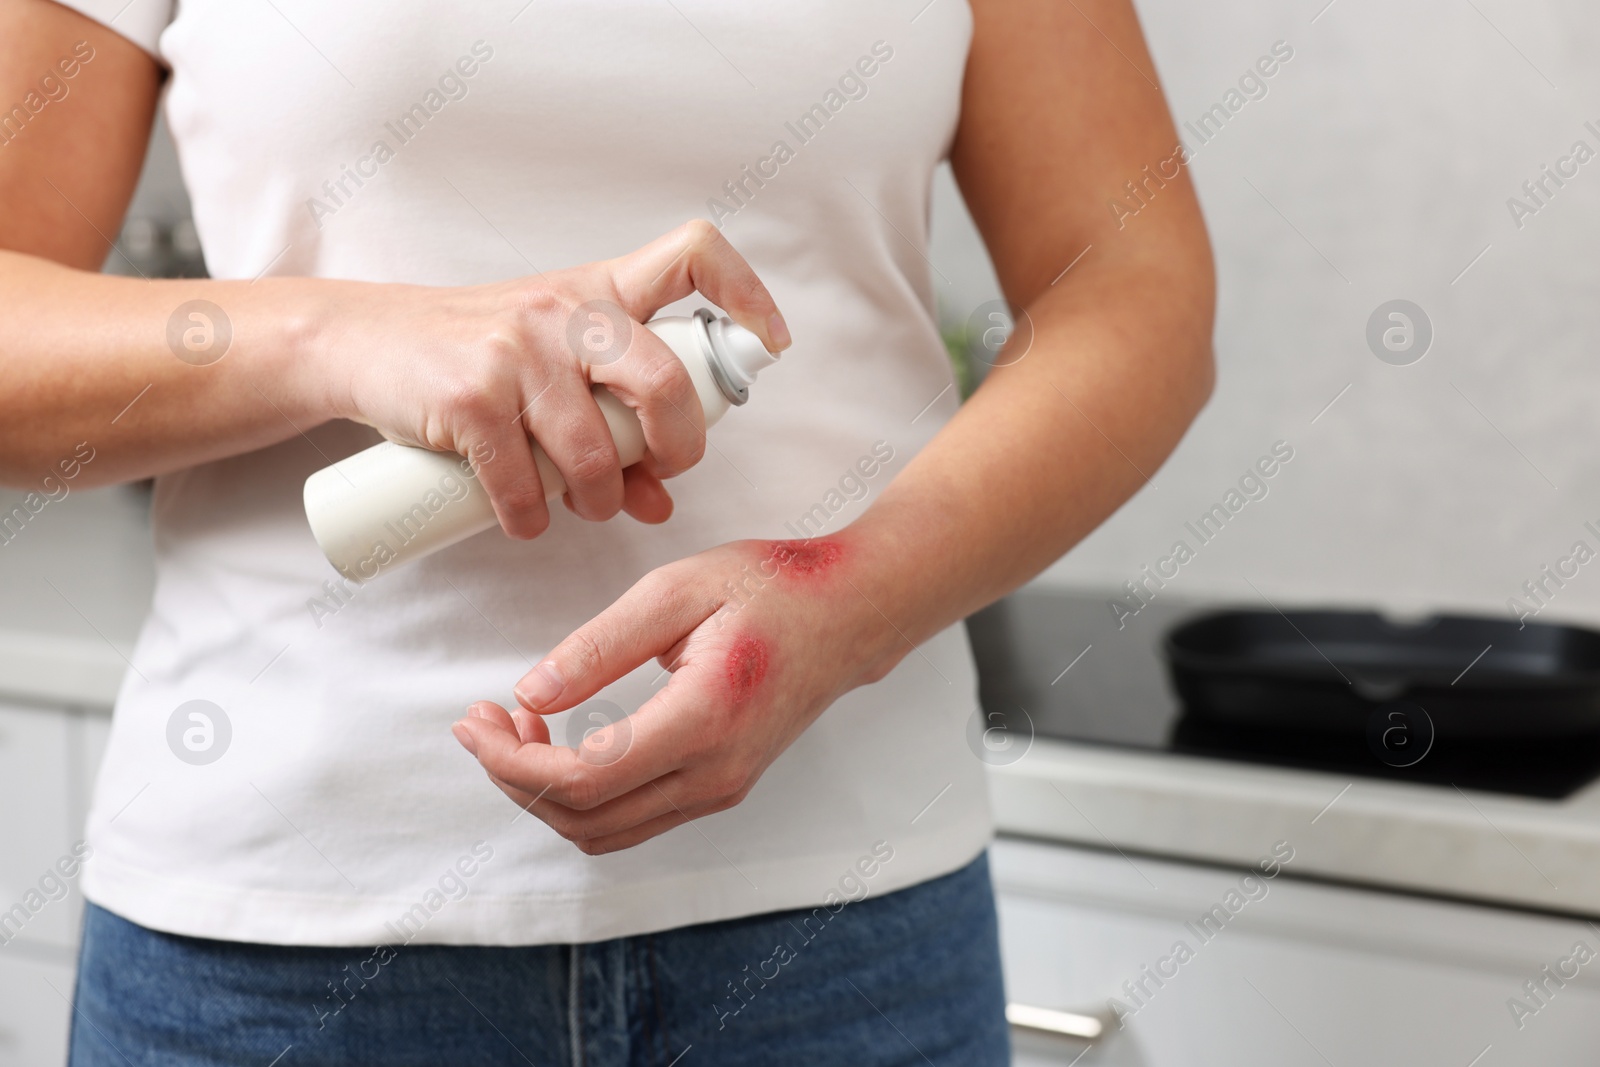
(1060, 108)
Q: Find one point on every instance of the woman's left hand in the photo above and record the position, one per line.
(760, 636)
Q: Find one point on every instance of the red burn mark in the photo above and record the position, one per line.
(805, 557)
(746, 666)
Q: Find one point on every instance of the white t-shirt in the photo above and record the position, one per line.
(340, 810)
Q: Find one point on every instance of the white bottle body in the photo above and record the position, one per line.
(393, 503)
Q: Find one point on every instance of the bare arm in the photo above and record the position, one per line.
(480, 370)
(1054, 120)
(78, 346)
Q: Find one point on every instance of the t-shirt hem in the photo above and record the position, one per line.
(275, 917)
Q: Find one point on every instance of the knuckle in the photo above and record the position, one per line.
(657, 587)
(529, 510)
(582, 654)
(701, 234)
(471, 399)
(668, 381)
(521, 498)
(538, 299)
(582, 792)
(593, 464)
(727, 787)
(700, 745)
(573, 828)
(494, 359)
(561, 821)
(747, 289)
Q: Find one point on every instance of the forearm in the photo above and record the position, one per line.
(86, 358)
(1047, 448)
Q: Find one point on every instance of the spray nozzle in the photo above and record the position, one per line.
(735, 355)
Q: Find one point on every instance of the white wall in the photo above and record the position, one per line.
(1391, 142)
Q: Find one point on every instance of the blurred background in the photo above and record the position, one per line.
(1382, 161)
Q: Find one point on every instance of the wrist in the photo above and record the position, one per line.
(896, 587)
(301, 348)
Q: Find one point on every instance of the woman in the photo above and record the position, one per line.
(405, 211)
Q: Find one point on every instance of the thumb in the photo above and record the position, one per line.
(644, 622)
(695, 257)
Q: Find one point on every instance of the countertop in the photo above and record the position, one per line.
(1422, 838)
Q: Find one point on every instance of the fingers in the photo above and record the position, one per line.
(531, 728)
(693, 258)
(651, 617)
(511, 480)
(697, 258)
(654, 741)
(562, 415)
(652, 380)
(535, 769)
(488, 709)
(564, 418)
(624, 822)
(651, 809)
(644, 497)
(528, 728)
(634, 835)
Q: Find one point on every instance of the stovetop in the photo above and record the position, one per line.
(1057, 663)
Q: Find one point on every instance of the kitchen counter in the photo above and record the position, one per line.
(1423, 838)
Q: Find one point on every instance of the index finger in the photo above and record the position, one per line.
(655, 740)
(697, 258)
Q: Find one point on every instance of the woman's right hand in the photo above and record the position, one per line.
(488, 370)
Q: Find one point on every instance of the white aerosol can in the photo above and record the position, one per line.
(394, 503)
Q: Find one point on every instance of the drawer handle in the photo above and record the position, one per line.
(1079, 1027)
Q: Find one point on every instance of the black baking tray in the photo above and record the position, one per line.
(1330, 671)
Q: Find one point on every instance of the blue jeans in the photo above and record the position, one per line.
(910, 977)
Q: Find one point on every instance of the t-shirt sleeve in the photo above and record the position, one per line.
(140, 21)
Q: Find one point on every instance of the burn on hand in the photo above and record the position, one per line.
(746, 666)
(805, 559)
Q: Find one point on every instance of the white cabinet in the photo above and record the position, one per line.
(35, 1009)
(48, 760)
(35, 795)
(1298, 973)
